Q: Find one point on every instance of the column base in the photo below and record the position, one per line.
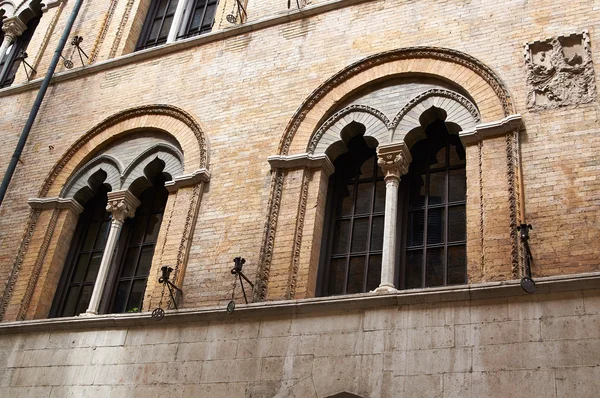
(385, 289)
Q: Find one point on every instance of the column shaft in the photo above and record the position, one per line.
(388, 257)
(4, 46)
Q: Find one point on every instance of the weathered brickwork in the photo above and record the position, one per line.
(519, 346)
(243, 87)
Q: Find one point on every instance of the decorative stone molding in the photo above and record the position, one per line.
(52, 3)
(560, 72)
(103, 31)
(435, 53)
(188, 180)
(55, 203)
(394, 160)
(122, 204)
(13, 27)
(302, 160)
(491, 129)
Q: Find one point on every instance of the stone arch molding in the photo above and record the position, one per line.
(459, 110)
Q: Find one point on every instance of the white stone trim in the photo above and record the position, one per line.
(55, 203)
(302, 160)
(491, 129)
(187, 180)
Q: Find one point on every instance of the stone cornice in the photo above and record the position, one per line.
(55, 203)
(491, 129)
(315, 306)
(138, 56)
(300, 161)
(187, 180)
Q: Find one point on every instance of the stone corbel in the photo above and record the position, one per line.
(55, 203)
(302, 160)
(122, 204)
(187, 180)
(394, 160)
(13, 27)
(491, 129)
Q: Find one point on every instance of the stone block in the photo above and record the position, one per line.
(26, 392)
(232, 330)
(135, 354)
(489, 310)
(571, 327)
(514, 384)
(155, 335)
(457, 385)
(358, 374)
(232, 370)
(81, 392)
(203, 350)
(423, 385)
(438, 314)
(538, 306)
(215, 390)
(310, 324)
(497, 333)
(430, 337)
(441, 360)
(332, 344)
(581, 382)
(286, 368)
(147, 391)
(384, 318)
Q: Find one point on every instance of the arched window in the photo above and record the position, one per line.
(9, 65)
(138, 241)
(435, 197)
(356, 208)
(87, 249)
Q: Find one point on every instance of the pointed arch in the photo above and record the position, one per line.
(169, 155)
(488, 91)
(106, 163)
(164, 118)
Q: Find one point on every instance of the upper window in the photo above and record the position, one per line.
(434, 207)
(9, 65)
(167, 20)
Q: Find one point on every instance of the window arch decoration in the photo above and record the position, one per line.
(54, 211)
(496, 128)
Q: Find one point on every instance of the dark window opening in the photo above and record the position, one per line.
(9, 65)
(138, 242)
(356, 209)
(199, 18)
(157, 24)
(75, 291)
(435, 208)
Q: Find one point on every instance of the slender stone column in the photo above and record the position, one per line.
(12, 28)
(177, 19)
(394, 161)
(121, 204)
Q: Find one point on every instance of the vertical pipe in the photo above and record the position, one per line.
(38, 101)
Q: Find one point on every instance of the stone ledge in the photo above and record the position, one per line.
(278, 19)
(300, 161)
(479, 291)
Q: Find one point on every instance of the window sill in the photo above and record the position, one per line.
(312, 306)
(154, 52)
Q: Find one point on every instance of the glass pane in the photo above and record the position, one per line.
(208, 17)
(435, 226)
(374, 272)
(341, 237)
(437, 188)
(377, 234)
(80, 268)
(153, 228)
(172, 6)
(130, 262)
(457, 223)
(136, 297)
(90, 236)
(337, 274)
(457, 185)
(417, 191)
(416, 223)
(440, 159)
(454, 156)
(457, 265)
(196, 19)
(71, 301)
(360, 235)
(94, 267)
(102, 235)
(139, 229)
(121, 297)
(366, 170)
(161, 7)
(145, 261)
(434, 272)
(363, 198)
(380, 196)
(166, 27)
(356, 275)
(84, 299)
(154, 31)
(347, 201)
(414, 269)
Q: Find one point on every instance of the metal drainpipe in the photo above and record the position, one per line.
(38, 101)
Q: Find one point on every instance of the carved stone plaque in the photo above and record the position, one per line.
(560, 72)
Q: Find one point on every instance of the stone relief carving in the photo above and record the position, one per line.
(560, 72)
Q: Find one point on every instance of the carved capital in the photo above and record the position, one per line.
(13, 27)
(122, 204)
(394, 160)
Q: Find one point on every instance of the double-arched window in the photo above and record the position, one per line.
(431, 225)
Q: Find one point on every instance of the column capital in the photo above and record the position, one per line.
(122, 204)
(394, 160)
(13, 27)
